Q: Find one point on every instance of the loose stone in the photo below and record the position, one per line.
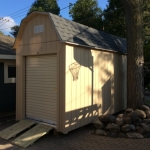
(98, 124)
(133, 116)
(107, 118)
(141, 114)
(134, 135)
(144, 107)
(100, 132)
(113, 127)
(119, 121)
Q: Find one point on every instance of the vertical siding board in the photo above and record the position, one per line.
(43, 45)
(100, 83)
(86, 80)
(68, 77)
(35, 38)
(18, 83)
(38, 35)
(73, 94)
(43, 21)
(95, 83)
(62, 88)
(47, 34)
(82, 84)
(87, 87)
(78, 103)
(24, 37)
(31, 31)
(53, 40)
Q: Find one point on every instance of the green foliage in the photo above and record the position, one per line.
(15, 30)
(87, 12)
(1, 33)
(114, 22)
(146, 30)
(114, 18)
(42, 6)
(45, 6)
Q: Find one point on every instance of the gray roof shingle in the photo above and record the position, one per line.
(6, 44)
(71, 31)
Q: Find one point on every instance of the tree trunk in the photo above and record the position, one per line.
(134, 23)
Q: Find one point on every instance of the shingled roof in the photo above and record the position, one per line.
(73, 32)
(6, 44)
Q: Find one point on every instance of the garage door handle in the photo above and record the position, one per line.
(55, 88)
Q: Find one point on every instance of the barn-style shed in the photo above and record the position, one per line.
(67, 73)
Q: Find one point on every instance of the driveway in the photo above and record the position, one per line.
(79, 139)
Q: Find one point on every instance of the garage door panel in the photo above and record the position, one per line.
(42, 64)
(46, 112)
(51, 111)
(41, 83)
(29, 105)
(33, 85)
(42, 118)
(37, 88)
(52, 79)
(42, 98)
(45, 119)
(41, 115)
(36, 69)
(42, 95)
(38, 72)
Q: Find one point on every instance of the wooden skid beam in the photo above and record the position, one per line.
(13, 130)
(29, 137)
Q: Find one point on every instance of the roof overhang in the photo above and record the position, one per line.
(94, 48)
(8, 57)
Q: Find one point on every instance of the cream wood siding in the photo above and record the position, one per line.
(41, 84)
(44, 43)
(99, 89)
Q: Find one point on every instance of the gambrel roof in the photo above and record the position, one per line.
(78, 34)
(74, 32)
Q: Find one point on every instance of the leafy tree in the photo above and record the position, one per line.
(45, 6)
(114, 22)
(15, 30)
(82, 10)
(146, 25)
(114, 18)
(42, 6)
(1, 33)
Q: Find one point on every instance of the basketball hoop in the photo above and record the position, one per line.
(74, 69)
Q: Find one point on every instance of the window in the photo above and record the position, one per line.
(38, 29)
(9, 72)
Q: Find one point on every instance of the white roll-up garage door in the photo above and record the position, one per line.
(41, 85)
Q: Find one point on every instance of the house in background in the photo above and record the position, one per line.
(7, 74)
(67, 73)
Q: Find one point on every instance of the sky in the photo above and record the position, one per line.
(13, 11)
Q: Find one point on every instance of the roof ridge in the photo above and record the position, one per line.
(88, 26)
(77, 33)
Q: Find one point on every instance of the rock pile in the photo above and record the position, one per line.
(130, 124)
